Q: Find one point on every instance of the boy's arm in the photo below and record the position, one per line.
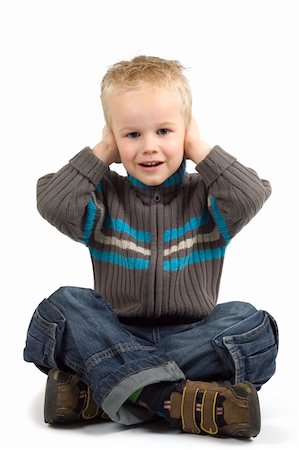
(235, 193)
(67, 198)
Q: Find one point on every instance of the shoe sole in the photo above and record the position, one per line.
(254, 415)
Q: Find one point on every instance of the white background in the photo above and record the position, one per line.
(242, 60)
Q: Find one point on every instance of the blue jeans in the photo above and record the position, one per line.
(76, 330)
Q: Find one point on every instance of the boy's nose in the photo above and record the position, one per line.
(149, 145)
(149, 151)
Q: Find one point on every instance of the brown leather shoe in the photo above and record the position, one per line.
(68, 400)
(216, 409)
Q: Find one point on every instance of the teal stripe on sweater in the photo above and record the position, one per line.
(89, 221)
(123, 227)
(194, 258)
(220, 221)
(192, 224)
(177, 177)
(119, 260)
(99, 187)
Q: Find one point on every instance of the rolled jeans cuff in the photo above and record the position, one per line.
(127, 413)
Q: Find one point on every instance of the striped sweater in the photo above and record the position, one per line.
(157, 251)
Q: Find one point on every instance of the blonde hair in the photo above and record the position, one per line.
(142, 70)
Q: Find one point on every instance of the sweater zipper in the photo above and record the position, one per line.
(157, 276)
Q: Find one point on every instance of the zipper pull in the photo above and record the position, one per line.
(157, 196)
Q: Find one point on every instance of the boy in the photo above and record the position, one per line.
(149, 341)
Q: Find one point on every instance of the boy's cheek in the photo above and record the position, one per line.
(127, 153)
(126, 160)
(123, 155)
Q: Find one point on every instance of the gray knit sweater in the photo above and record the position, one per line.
(157, 252)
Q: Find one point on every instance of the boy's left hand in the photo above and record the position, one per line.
(195, 148)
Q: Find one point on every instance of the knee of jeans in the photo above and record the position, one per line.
(251, 347)
(68, 293)
(79, 296)
(229, 313)
(239, 308)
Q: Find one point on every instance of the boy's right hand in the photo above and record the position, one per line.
(107, 150)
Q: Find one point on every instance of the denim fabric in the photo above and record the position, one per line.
(76, 329)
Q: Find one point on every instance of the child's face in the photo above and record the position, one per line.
(149, 127)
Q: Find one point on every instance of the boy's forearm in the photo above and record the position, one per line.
(236, 193)
(62, 197)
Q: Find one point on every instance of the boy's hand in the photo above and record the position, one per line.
(195, 148)
(107, 150)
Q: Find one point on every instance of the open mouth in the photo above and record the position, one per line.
(151, 164)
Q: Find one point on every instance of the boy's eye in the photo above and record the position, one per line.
(164, 131)
(133, 135)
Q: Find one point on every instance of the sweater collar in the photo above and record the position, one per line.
(166, 190)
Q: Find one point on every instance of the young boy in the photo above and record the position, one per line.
(149, 341)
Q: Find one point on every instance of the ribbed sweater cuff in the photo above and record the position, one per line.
(214, 164)
(89, 165)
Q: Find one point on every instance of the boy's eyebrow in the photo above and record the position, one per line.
(158, 125)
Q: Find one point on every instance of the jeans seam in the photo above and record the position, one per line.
(76, 367)
(113, 351)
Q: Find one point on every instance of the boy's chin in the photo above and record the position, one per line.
(151, 183)
(150, 180)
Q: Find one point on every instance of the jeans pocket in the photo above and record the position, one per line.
(41, 342)
(254, 352)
